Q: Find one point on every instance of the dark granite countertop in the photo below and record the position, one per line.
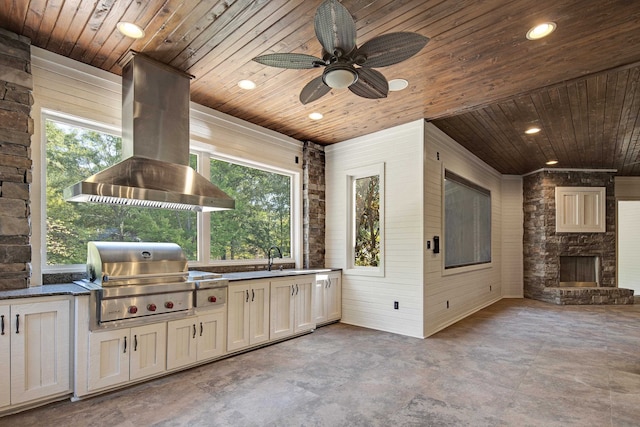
(265, 274)
(45, 291)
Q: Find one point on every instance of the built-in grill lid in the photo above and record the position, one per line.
(131, 263)
(155, 169)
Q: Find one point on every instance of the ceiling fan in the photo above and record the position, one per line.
(346, 65)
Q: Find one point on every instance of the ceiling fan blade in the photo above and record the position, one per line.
(295, 61)
(391, 48)
(335, 28)
(313, 90)
(370, 84)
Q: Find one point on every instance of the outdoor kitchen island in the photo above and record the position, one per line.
(260, 308)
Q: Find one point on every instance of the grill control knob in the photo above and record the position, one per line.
(133, 309)
(151, 307)
(168, 304)
(212, 299)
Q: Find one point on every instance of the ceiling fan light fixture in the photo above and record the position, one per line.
(540, 31)
(396, 85)
(339, 77)
(129, 29)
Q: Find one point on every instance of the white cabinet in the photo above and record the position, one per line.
(195, 339)
(581, 209)
(328, 297)
(248, 314)
(5, 357)
(34, 350)
(292, 306)
(126, 354)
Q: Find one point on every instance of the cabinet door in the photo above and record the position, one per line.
(282, 308)
(40, 358)
(237, 317)
(211, 329)
(181, 342)
(108, 358)
(259, 312)
(304, 319)
(148, 350)
(5, 354)
(334, 297)
(319, 298)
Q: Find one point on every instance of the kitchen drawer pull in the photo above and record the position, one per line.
(125, 344)
(2, 324)
(17, 323)
(135, 343)
(194, 330)
(201, 329)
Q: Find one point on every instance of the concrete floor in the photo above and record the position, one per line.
(515, 363)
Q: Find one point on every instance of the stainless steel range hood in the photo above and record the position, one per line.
(155, 168)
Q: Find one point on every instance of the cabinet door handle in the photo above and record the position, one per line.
(201, 329)
(135, 343)
(125, 344)
(247, 295)
(293, 290)
(2, 324)
(297, 289)
(329, 282)
(253, 295)
(17, 323)
(194, 331)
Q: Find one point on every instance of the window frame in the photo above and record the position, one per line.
(351, 176)
(203, 153)
(463, 268)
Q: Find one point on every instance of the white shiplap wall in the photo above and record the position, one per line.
(368, 301)
(512, 235)
(465, 290)
(66, 86)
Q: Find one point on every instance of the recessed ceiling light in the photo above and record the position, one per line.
(398, 84)
(552, 162)
(130, 29)
(540, 31)
(532, 130)
(316, 116)
(247, 84)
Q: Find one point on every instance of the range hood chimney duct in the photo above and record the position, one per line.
(155, 168)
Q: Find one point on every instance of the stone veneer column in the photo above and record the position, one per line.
(16, 128)
(543, 246)
(313, 210)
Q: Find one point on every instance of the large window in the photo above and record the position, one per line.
(76, 150)
(262, 217)
(467, 222)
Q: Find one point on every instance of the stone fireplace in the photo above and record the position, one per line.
(578, 258)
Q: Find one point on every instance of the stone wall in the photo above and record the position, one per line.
(16, 128)
(543, 246)
(313, 209)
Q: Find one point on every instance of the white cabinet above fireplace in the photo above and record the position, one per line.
(580, 209)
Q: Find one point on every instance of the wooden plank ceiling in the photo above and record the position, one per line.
(478, 79)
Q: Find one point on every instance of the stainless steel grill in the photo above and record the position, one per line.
(136, 283)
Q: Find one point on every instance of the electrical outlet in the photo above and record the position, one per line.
(489, 288)
(396, 305)
(447, 303)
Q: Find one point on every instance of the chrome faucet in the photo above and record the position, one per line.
(270, 257)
